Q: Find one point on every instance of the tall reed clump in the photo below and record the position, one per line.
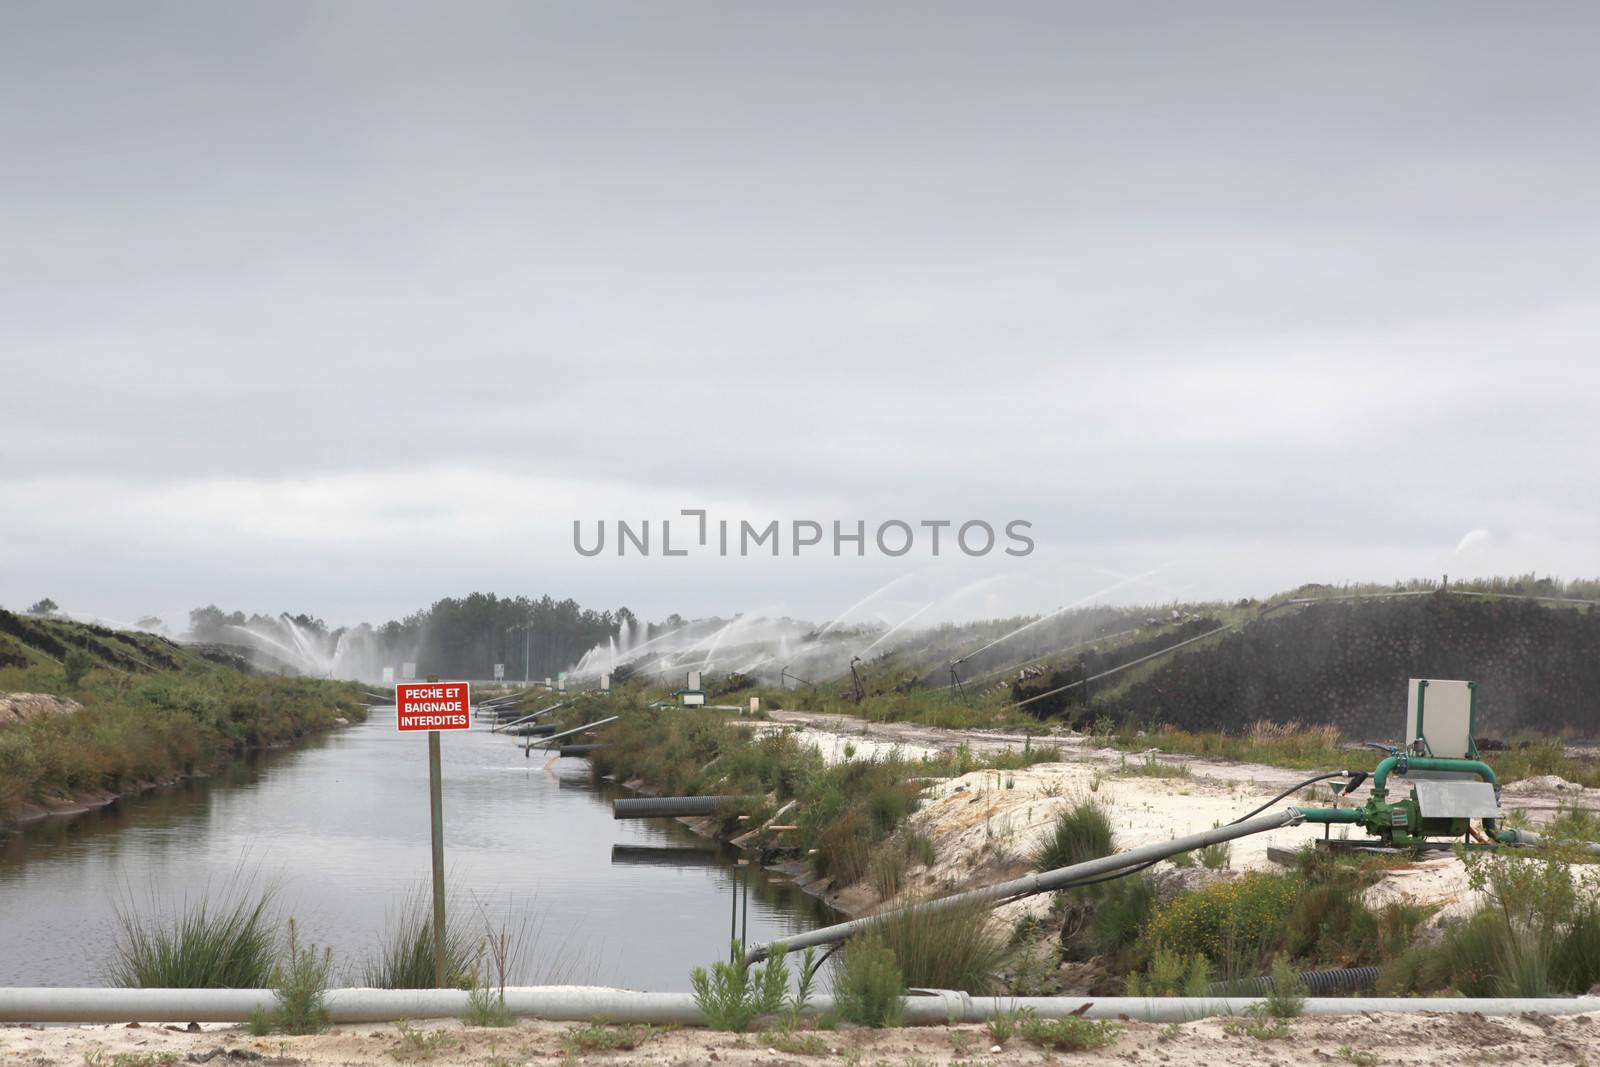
(956, 948)
(1081, 833)
(227, 941)
(404, 958)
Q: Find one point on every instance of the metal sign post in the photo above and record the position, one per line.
(434, 706)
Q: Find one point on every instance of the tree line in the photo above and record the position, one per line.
(455, 637)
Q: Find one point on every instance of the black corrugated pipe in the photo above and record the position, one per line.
(667, 807)
(1316, 983)
(578, 750)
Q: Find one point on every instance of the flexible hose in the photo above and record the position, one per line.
(1296, 788)
(1316, 983)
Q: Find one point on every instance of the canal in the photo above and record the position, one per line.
(340, 827)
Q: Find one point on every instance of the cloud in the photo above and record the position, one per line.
(1274, 296)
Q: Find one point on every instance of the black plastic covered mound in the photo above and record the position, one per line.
(56, 637)
(1538, 667)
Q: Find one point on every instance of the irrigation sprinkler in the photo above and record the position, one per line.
(855, 676)
(529, 718)
(784, 677)
(578, 730)
(955, 682)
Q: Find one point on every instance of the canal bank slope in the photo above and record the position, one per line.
(91, 715)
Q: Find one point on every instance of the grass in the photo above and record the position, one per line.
(100, 1058)
(404, 958)
(598, 1037)
(1291, 744)
(795, 1043)
(952, 949)
(1081, 833)
(1003, 1027)
(226, 942)
(1151, 767)
(1070, 1034)
(417, 1044)
(1259, 1027)
(487, 1007)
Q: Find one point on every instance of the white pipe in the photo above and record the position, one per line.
(586, 1003)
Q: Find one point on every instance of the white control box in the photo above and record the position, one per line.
(1440, 718)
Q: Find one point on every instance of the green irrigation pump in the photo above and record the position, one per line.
(1449, 785)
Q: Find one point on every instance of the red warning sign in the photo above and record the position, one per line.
(433, 706)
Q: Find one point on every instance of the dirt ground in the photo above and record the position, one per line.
(1364, 1040)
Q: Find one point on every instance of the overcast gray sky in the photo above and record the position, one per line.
(342, 307)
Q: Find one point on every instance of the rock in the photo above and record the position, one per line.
(20, 707)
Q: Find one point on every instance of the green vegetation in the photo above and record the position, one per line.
(598, 1037)
(1290, 744)
(417, 1044)
(404, 959)
(732, 995)
(1151, 767)
(486, 1006)
(1537, 934)
(1070, 1034)
(1081, 833)
(1286, 996)
(956, 948)
(152, 711)
(1172, 974)
(847, 812)
(1220, 919)
(1166, 943)
(230, 943)
(795, 1043)
(868, 986)
(1003, 1027)
(300, 985)
(1122, 911)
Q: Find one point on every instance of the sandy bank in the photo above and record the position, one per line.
(1377, 1039)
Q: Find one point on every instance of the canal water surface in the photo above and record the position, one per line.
(340, 826)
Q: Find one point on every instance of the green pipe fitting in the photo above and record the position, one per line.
(1331, 815)
(1380, 777)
